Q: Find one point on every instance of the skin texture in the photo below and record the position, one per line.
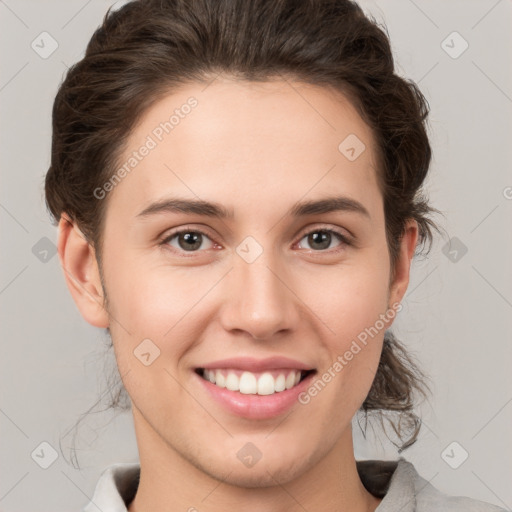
(256, 148)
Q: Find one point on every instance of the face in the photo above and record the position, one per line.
(271, 279)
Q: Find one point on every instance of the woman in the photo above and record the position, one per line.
(237, 186)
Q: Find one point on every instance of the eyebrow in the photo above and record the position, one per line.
(212, 209)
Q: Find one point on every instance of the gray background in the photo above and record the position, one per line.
(457, 312)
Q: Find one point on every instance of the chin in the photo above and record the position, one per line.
(276, 469)
(259, 476)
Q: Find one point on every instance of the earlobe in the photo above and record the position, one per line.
(403, 263)
(78, 262)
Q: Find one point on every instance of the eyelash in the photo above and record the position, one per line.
(344, 239)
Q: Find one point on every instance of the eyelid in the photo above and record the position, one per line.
(347, 238)
(187, 228)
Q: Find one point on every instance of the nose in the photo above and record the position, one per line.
(259, 298)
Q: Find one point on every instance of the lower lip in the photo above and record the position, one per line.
(256, 407)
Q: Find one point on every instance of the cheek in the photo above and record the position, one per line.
(151, 314)
(149, 304)
(152, 299)
(351, 308)
(350, 299)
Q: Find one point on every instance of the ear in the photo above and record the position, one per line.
(400, 281)
(78, 261)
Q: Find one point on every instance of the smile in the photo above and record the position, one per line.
(254, 383)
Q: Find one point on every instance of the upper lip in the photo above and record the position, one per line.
(252, 364)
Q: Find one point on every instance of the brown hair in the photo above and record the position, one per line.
(147, 48)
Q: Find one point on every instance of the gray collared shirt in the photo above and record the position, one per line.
(397, 482)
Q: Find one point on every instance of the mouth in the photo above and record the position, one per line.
(255, 383)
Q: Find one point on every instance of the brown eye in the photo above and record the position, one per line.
(321, 239)
(186, 240)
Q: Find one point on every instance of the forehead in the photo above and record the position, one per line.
(241, 140)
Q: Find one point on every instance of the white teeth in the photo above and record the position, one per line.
(220, 380)
(280, 383)
(250, 384)
(232, 382)
(266, 384)
(290, 380)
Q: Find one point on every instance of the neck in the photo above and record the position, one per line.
(170, 482)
